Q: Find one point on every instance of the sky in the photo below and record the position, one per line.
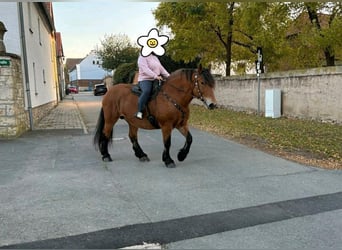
(84, 24)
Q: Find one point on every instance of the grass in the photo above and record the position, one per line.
(310, 142)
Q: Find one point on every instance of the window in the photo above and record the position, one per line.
(39, 33)
(29, 6)
(44, 76)
(35, 79)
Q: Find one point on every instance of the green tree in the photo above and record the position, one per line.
(319, 30)
(231, 32)
(117, 49)
(193, 35)
(314, 35)
(223, 32)
(261, 24)
(171, 65)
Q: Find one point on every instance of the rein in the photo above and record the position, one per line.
(176, 105)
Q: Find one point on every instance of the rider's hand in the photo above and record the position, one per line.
(160, 78)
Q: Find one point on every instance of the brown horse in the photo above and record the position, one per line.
(170, 108)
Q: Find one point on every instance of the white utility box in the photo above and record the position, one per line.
(273, 103)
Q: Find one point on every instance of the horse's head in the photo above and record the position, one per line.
(204, 87)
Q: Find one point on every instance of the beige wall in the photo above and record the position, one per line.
(308, 94)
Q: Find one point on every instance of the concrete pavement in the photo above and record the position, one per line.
(65, 116)
(56, 192)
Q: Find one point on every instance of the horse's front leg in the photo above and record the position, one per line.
(188, 141)
(133, 136)
(167, 144)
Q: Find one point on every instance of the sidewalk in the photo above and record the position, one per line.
(65, 115)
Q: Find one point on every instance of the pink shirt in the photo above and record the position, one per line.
(150, 68)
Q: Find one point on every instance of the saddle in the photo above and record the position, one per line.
(156, 87)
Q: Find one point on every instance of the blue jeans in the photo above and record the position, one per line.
(146, 87)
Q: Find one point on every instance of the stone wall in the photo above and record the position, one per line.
(13, 117)
(40, 112)
(306, 94)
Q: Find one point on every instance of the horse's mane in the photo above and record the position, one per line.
(208, 78)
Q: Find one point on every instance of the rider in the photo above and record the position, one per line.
(150, 69)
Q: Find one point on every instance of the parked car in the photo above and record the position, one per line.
(100, 89)
(72, 89)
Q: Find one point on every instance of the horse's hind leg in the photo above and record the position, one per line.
(102, 138)
(106, 136)
(185, 150)
(133, 136)
(103, 146)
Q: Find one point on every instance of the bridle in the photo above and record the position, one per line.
(200, 95)
(177, 106)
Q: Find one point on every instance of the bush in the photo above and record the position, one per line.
(172, 65)
(125, 72)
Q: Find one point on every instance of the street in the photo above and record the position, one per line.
(89, 106)
(56, 192)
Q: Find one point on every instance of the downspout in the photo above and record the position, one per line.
(26, 70)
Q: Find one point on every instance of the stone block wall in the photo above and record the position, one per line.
(13, 117)
(41, 111)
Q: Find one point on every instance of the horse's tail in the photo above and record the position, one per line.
(99, 136)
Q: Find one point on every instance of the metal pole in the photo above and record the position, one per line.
(259, 70)
(258, 93)
(26, 70)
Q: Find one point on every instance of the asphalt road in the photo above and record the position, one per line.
(89, 106)
(56, 192)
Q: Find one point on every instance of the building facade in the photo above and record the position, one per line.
(88, 72)
(30, 37)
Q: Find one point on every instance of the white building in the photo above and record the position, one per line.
(88, 72)
(31, 35)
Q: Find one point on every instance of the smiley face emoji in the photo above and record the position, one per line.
(152, 43)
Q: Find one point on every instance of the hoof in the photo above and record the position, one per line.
(170, 165)
(182, 155)
(144, 158)
(107, 158)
